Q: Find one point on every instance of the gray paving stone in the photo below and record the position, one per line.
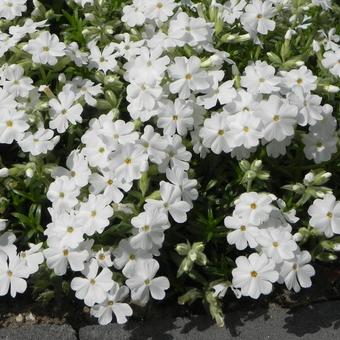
(313, 322)
(39, 332)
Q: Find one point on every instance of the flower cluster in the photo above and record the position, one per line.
(127, 117)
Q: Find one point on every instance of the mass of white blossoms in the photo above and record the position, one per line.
(186, 97)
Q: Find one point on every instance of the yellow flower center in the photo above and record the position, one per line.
(253, 273)
(253, 206)
(9, 123)
(188, 76)
(128, 161)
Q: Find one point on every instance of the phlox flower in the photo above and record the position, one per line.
(64, 111)
(297, 273)
(325, 215)
(13, 124)
(150, 226)
(113, 305)
(170, 202)
(93, 287)
(143, 282)
(45, 48)
(254, 275)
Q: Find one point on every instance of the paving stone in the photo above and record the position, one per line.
(38, 332)
(313, 322)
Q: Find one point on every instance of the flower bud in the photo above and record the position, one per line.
(4, 172)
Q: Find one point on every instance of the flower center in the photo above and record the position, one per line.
(262, 80)
(93, 213)
(253, 206)
(9, 123)
(101, 257)
(132, 257)
(329, 214)
(70, 230)
(46, 49)
(61, 195)
(9, 273)
(174, 117)
(110, 182)
(63, 112)
(188, 76)
(275, 244)
(73, 173)
(65, 252)
(147, 282)
(110, 303)
(276, 118)
(246, 129)
(259, 16)
(253, 273)
(92, 281)
(221, 132)
(243, 228)
(101, 150)
(299, 81)
(159, 5)
(146, 228)
(127, 161)
(294, 266)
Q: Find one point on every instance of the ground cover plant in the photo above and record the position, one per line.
(161, 147)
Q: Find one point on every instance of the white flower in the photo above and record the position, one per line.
(148, 67)
(126, 257)
(244, 130)
(257, 17)
(150, 226)
(108, 184)
(113, 304)
(45, 48)
(142, 95)
(154, 145)
(15, 82)
(87, 89)
(232, 10)
(103, 60)
(104, 258)
(331, 61)
(214, 134)
(277, 243)
(93, 288)
(63, 193)
(129, 162)
(133, 16)
(254, 275)
(260, 78)
(253, 207)
(170, 202)
(179, 177)
(39, 142)
(32, 257)
(190, 30)
(303, 77)
(77, 169)
(176, 117)
(223, 93)
(319, 146)
(95, 214)
(188, 76)
(7, 246)
(160, 9)
(64, 110)
(12, 275)
(176, 154)
(310, 110)
(66, 230)
(9, 9)
(143, 282)
(57, 258)
(278, 118)
(325, 215)
(12, 125)
(244, 234)
(297, 273)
